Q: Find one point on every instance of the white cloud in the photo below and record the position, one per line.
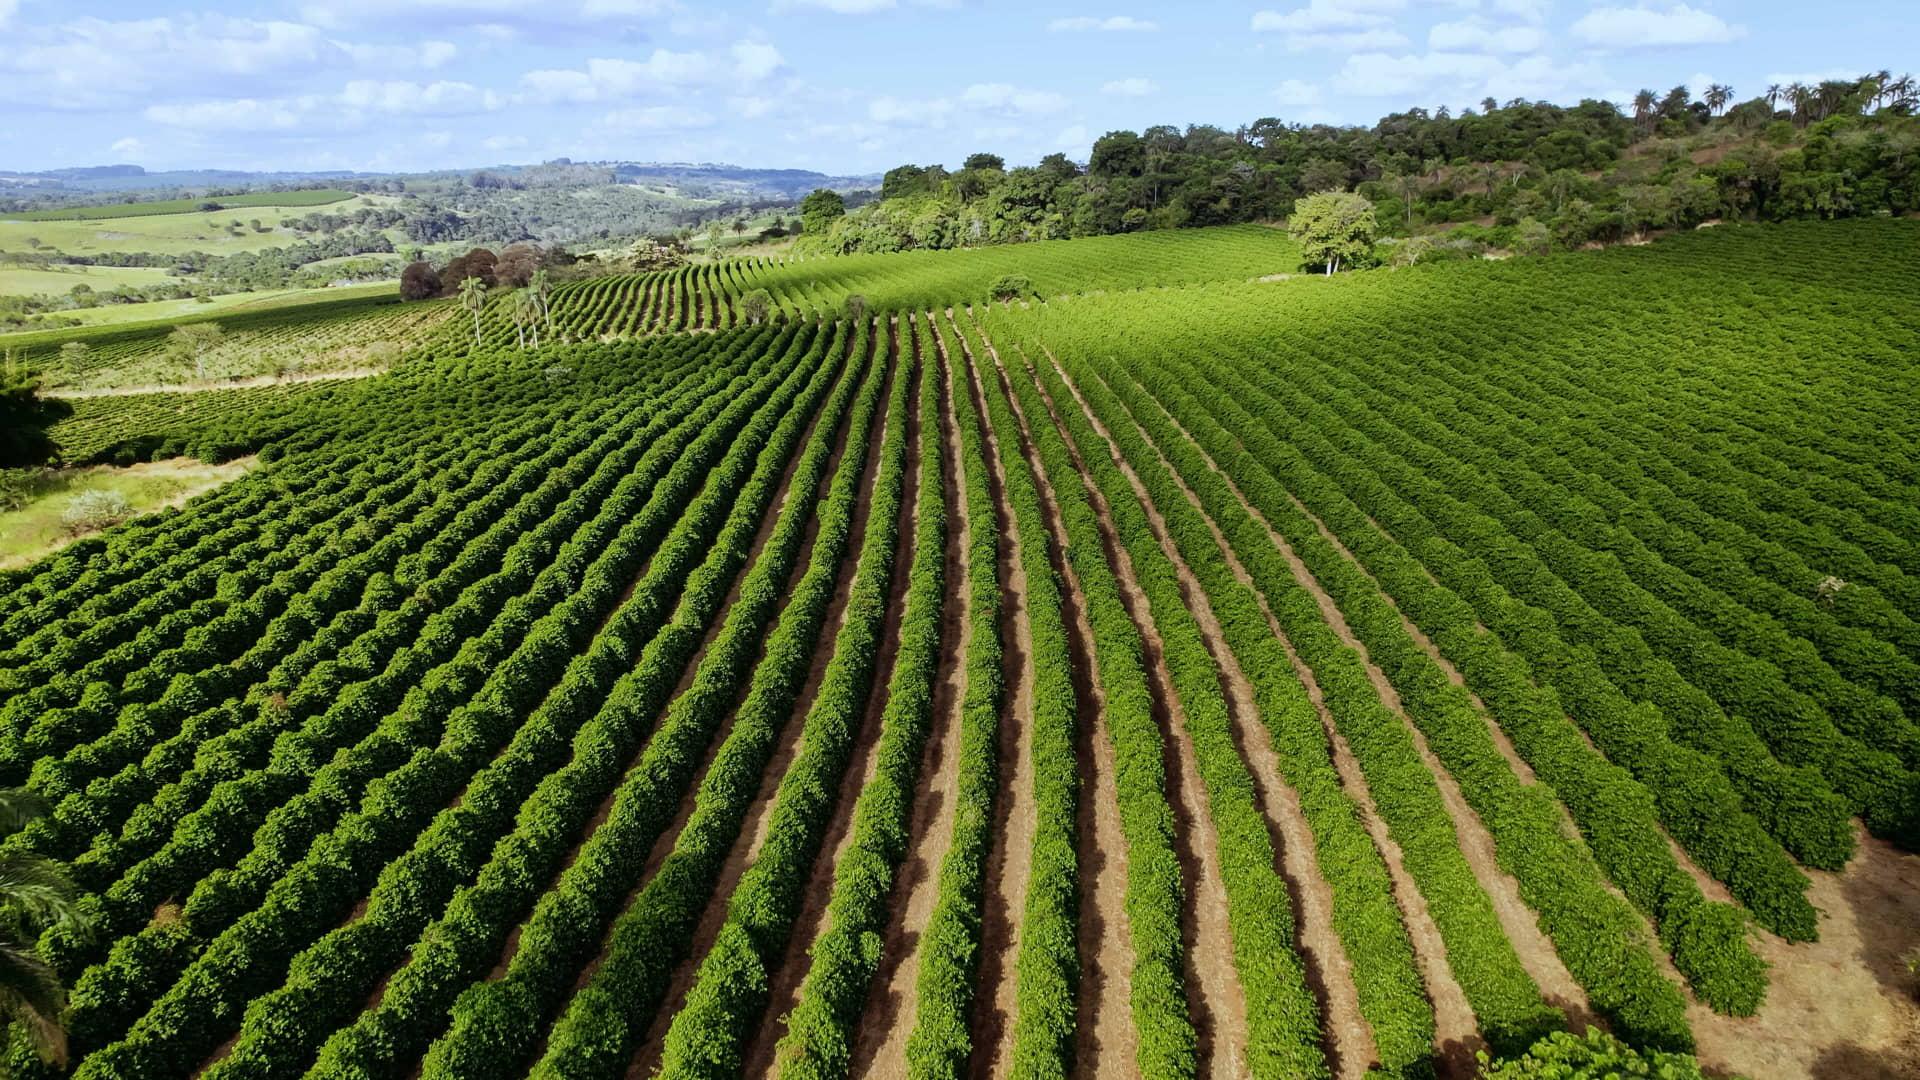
(1005, 97)
(437, 99)
(1472, 35)
(7, 8)
(1074, 141)
(856, 7)
(755, 60)
(1641, 27)
(1812, 78)
(127, 147)
(615, 79)
(1320, 15)
(503, 142)
(1111, 24)
(1464, 78)
(1533, 11)
(506, 14)
(1297, 93)
(399, 58)
(1135, 87)
(238, 115)
(652, 118)
(904, 111)
(1347, 41)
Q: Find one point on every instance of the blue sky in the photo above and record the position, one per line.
(837, 85)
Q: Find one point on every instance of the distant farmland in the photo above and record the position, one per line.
(305, 198)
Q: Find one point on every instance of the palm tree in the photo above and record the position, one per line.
(1901, 92)
(542, 286)
(1717, 97)
(1643, 105)
(1774, 92)
(1488, 104)
(1800, 97)
(34, 894)
(473, 297)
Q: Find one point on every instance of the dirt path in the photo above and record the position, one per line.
(880, 1043)
(1009, 861)
(1103, 1026)
(1347, 1037)
(788, 973)
(1843, 1007)
(754, 828)
(1214, 994)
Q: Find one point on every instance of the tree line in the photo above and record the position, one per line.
(1528, 172)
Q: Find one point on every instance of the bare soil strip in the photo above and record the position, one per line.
(784, 984)
(1214, 995)
(880, 1045)
(1536, 952)
(220, 384)
(1348, 1039)
(1009, 862)
(1103, 1024)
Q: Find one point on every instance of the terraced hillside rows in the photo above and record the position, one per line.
(1288, 679)
(709, 295)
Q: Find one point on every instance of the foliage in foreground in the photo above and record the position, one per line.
(1599, 1056)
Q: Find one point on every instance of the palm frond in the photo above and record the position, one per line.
(31, 996)
(19, 806)
(37, 890)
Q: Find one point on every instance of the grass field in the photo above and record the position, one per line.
(35, 281)
(1168, 674)
(250, 200)
(36, 529)
(169, 234)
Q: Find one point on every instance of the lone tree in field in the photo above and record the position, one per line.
(419, 281)
(715, 233)
(35, 893)
(194, 341)
(73, 355)
(25, 416)
(1331, 228)
(755, 306)
(1009, 287)
(857, 308)
(473, 297)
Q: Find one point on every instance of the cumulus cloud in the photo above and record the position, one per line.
(1642, 27)
(1473, 35)
(615, 79)
(127, 147)
(1465, 78)
(1005, 97)
(236, 115)
(437, 98)
(1320, 15)
(856, 7)
(1347, 41)
(1112, 24)
(514, 15)
(657, 118)
(1297, 93)
(1135, 87)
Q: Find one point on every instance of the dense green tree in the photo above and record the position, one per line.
(1333, 228)
(818, 210)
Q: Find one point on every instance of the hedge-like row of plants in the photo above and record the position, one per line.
(469, 934)
(845, 957)
(1598, 936)
(1387, 982)
(708, 1035)
(329, 982)
(1283, 1016)
(1166, 1041)
(1047, 975)
(280, 897)
(941, 1043)
(497, 1025)
(1615, 813)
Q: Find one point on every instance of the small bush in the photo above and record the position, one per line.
(756, 305)
(1010, 287)
(1598, 1056)
(857, 307)
(91, 511)
(18, 487)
